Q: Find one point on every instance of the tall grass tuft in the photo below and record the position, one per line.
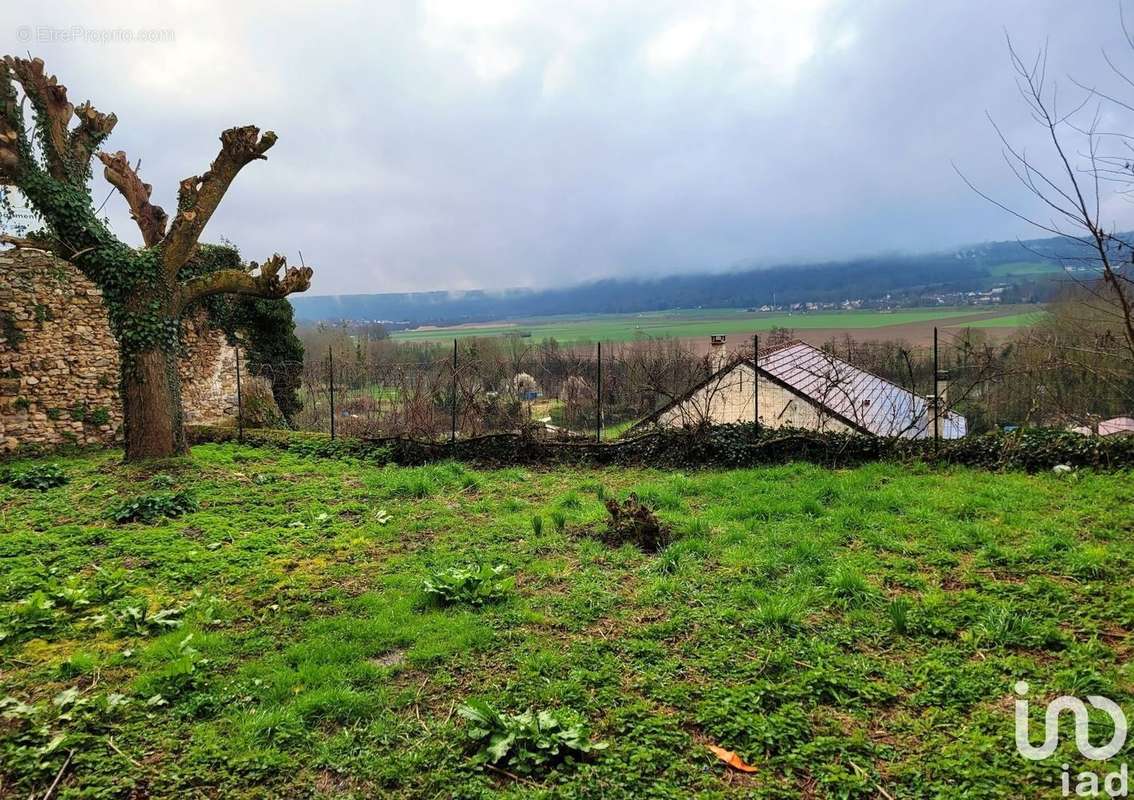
(782, 612)
(848, 586)
(899, 612)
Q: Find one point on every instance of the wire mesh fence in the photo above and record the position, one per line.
(475, 387)
(464, 393)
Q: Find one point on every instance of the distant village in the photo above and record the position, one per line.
(987, 297)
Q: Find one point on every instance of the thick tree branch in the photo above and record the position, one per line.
(12, 140)
(45, 244)
(92, 130)
(67, 152)
(22, 243)
(151, 219)
(268, 283)
(199, 196)
(53, 112)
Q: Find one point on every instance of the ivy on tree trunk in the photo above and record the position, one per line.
(264, 329)
(147, 290)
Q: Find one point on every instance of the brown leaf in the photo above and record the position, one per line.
(731, 758)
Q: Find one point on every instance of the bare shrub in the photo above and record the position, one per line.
(634, 522)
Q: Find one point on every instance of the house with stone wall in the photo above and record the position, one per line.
(59, 371)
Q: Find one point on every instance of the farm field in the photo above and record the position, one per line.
(1014, 269)
(700, 323)
(848, 634)
(1023, 320)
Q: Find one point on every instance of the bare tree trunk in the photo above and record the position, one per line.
(151, 405)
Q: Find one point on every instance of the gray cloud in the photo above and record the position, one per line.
(452, 144)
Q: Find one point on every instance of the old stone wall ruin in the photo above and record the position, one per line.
(59, 360)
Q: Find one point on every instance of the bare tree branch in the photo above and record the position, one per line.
(199, 195)
(13, 144)
(92, 130)
(268, 283)
(1065, 192)
(151, 219)
(53, 112)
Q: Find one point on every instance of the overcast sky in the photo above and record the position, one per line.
(453, 144)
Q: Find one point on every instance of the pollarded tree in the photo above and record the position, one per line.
(147, 290)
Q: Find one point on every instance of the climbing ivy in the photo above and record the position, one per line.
(146, 290)
(265, 328)
(271, 347)
(127, 277)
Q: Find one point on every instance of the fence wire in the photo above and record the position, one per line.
(475, 387)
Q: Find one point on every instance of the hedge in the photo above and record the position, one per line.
(717, 446)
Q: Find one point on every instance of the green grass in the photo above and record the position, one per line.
(1016, 268)
(617, 429)
(839, 630)
(689, 323)
(1024, 320)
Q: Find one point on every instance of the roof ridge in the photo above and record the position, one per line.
(837, 357)
(778, 347)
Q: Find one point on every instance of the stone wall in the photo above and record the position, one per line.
(208, 374)
(59, 361)
(729, 399)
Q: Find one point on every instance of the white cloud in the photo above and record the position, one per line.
(469, 15)
(674, 45)
(465, 143)
(492, 61)
(478, 32)
(845, 38)
(557, 75)
(768, 40)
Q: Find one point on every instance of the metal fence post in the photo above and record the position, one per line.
(239, 400)
(453, 428)
(936, 394)
(598, 398)
(331, 381)
(756, 381)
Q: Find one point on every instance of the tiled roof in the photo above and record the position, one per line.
(868, 401)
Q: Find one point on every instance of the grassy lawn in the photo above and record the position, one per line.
(840, 631)
(690, 323)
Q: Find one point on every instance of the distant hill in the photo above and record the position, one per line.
(1028, 267)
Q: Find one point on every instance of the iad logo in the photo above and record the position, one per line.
(1116, 784)
(1082, 723)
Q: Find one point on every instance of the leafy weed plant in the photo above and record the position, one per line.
(529, 742)
(150, 508)
(475, 584)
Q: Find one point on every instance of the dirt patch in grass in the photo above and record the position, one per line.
(391, 658)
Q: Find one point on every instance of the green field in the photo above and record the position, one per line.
(1017, 268)
(696, 323)
(849, 634)
(1023, 320)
